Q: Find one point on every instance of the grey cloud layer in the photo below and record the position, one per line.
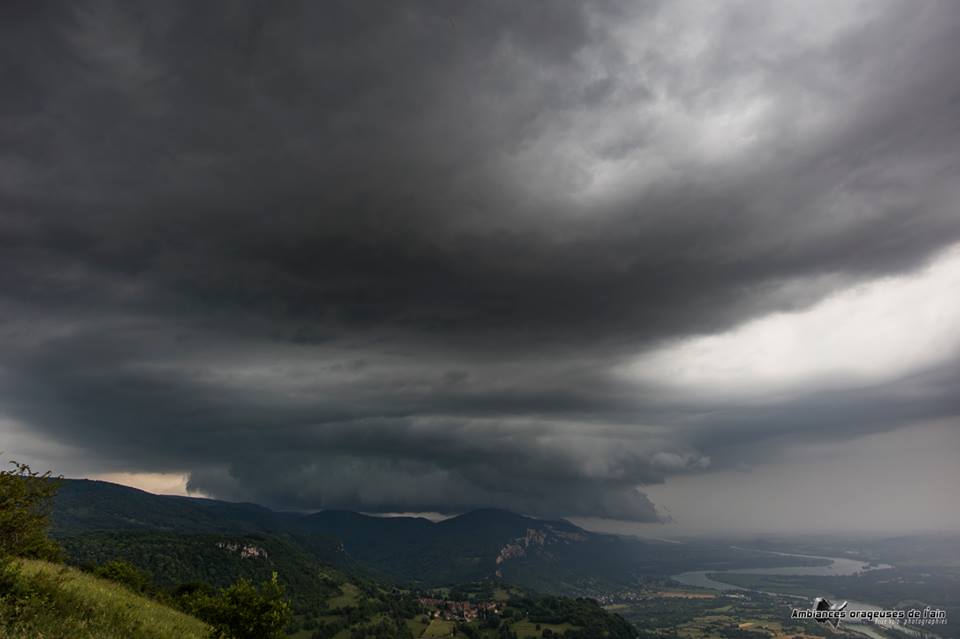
(385, 257)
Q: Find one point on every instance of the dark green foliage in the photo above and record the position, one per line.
(173, 559)
(667, 612)
(9, 575)
(589, 617)
(385, 628)
(475, 591)
(490, 621)
(22, 598)
(25, 501)
(243, 610)
(124, 573)
(40, 605)
(731, 632)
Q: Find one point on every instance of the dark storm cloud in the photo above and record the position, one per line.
(385, 257)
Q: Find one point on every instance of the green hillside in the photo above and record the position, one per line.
(55, 602)
(219, 560)
(98, 521)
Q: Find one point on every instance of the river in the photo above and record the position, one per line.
(837, 567)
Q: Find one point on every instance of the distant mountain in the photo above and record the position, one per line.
(84, 505)
(477, 545)
(473, 546)
(549, 556)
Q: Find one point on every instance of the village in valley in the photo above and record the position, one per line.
(460, 610)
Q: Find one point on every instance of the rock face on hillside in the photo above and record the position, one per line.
(535, 537)
(245, 551)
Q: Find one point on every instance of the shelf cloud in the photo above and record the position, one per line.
(431, 257)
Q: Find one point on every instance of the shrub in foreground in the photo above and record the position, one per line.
(243, 610)
(25, 500)
(124, 573)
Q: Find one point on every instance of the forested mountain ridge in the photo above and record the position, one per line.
(549, 556)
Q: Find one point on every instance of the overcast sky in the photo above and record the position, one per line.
(664, 266)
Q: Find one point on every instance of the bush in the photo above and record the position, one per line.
(17, 590)
(25, 501)
(124, 573)
(244, 611)
(9, 577)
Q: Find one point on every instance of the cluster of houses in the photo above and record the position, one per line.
(458, 610)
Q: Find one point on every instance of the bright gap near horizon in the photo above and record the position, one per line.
(867, 333)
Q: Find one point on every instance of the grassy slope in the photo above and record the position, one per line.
(349, 595)
(75, 605)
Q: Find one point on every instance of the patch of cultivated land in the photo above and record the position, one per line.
(529, 629)
(772, 628)
(417, 626)
(768, 583)
(349, 595)
(677, 594)
(439, 628)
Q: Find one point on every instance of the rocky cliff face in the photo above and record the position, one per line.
(245, 551)
(534, 538)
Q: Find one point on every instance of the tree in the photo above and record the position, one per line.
(244, 611)
(25, 501)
